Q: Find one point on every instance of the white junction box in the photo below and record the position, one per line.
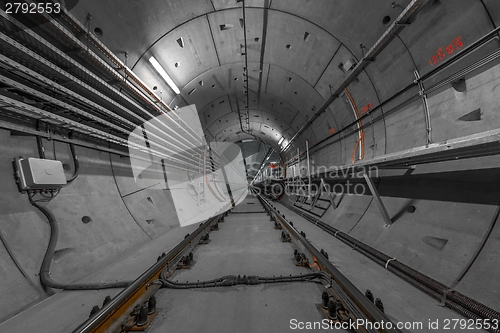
(39, 174)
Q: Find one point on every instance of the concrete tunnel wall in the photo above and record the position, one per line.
(440, 239)
(124, 217)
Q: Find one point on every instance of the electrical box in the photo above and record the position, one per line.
(349, 65)
(39, 174)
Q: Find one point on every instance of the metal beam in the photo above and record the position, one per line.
(331, 195)
(378, 200)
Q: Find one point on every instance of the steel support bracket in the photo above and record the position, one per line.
(378, 200)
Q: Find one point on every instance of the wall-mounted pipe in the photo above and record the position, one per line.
(368, 308)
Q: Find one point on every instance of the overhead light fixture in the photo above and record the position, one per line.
(164, 74)
(281, 140)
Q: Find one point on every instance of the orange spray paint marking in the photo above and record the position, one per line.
(366, 108)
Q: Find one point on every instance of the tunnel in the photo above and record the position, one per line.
(249, 166)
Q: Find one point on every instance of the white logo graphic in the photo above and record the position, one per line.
(169, 152)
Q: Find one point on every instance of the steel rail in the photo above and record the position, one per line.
(367, 307)
(464, 52)
(107, 319)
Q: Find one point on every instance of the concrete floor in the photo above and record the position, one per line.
(246, 243)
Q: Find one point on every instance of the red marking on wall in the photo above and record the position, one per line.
(273, 166)
(442, 52)
(331, 131)
(366, 108)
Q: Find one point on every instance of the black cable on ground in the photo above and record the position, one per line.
(232, 280)
(49, 254)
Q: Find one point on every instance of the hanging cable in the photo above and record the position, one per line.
(45, 278)
(76, 163)
(41, 148)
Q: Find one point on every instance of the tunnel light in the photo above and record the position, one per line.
(164, 74)
(281, 140)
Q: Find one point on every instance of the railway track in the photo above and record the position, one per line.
(341, 303)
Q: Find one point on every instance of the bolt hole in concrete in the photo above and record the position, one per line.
(459, 85)
(86, 219)
(98, 32)
(66, 167)
(386, 19)
(472, 116)
(411, 209)
(180, 41)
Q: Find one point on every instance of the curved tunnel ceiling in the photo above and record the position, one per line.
(297, 53)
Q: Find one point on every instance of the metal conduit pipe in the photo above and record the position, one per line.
(463, 53)
(454, 299)
(45, 278)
